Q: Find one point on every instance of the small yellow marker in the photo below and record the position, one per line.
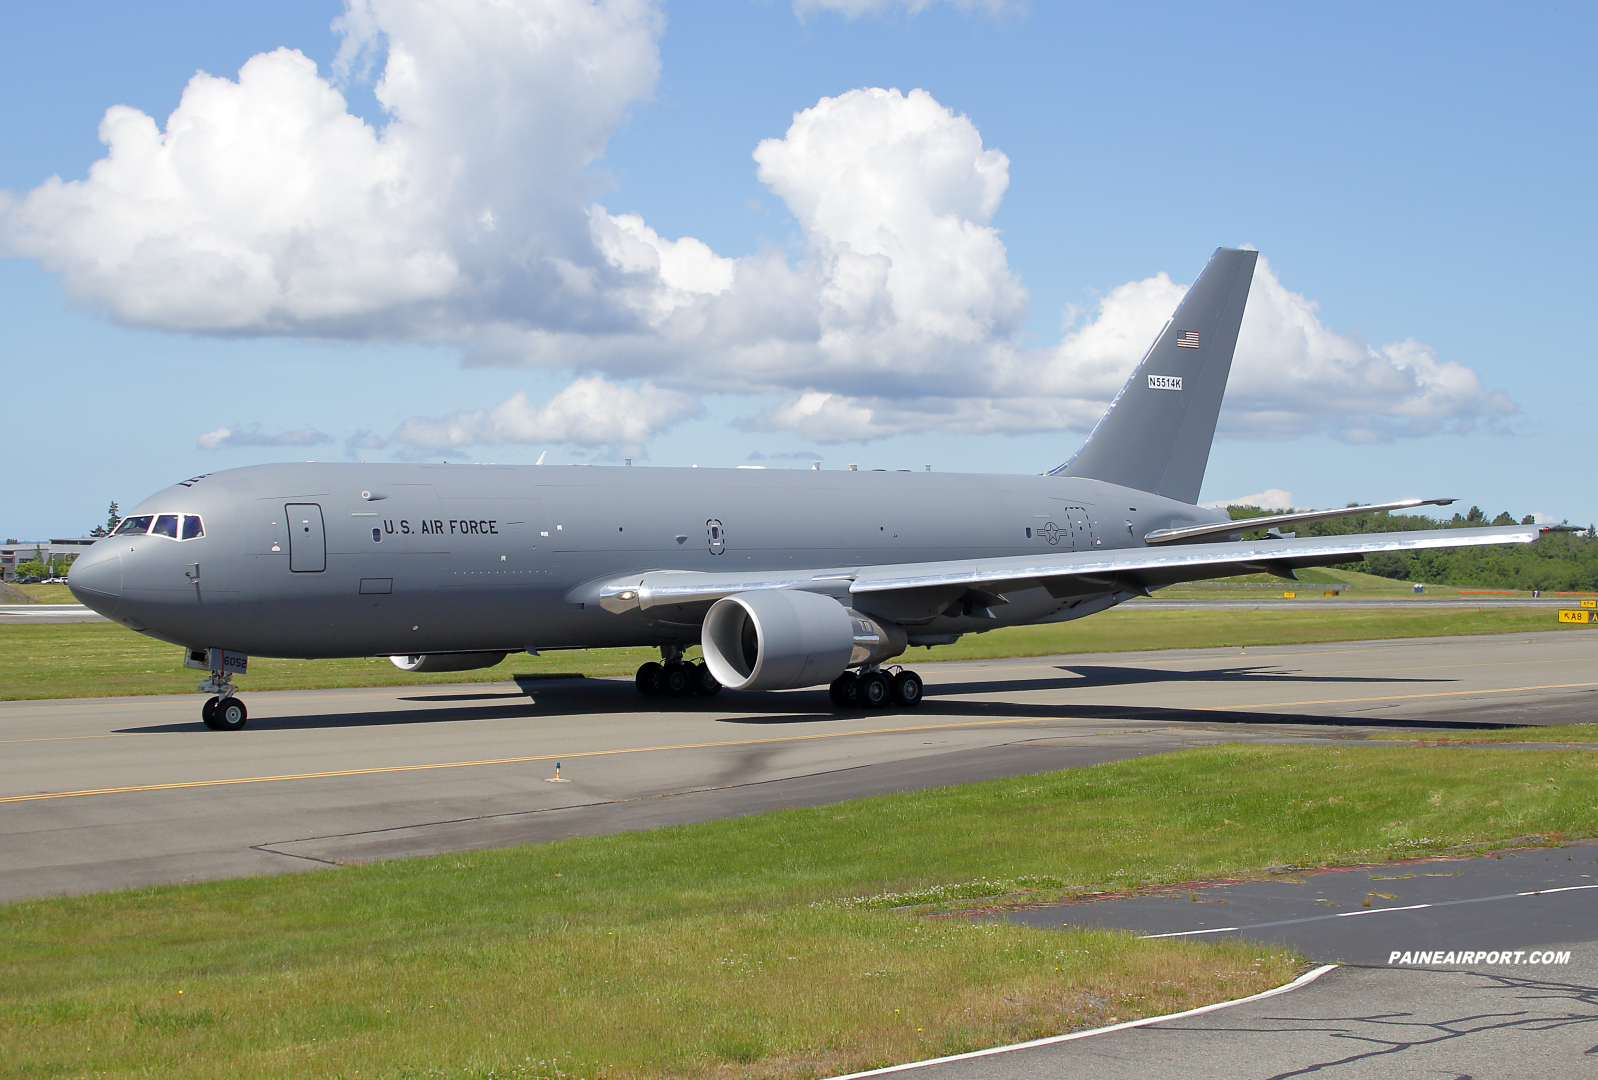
(556, 779)
(1290, 596)
(1589, 603)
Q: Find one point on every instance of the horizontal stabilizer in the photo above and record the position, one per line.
(1191, 533)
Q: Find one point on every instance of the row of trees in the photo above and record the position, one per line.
(113, 518)
(1562, 560)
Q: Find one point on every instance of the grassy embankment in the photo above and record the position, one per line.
(1313, 584)
(38, 594)
(1561, 733)
(100, 659)
(755, 947)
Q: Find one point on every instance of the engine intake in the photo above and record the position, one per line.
(782, 639)
(447, 661)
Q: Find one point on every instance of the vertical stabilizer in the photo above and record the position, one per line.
(1156, 434)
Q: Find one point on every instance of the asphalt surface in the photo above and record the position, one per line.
(1507, 902)
(1460, 967)
(47, 613)
(1351, 1023)
(108, 793)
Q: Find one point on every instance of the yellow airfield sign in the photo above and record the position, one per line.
(1575, 616)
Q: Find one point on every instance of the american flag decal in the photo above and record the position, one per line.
(1187, 339)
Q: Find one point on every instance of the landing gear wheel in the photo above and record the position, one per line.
(845, 691)
(705, 683)
(677, 680)
(229, 714)
(649, 679)
(875, 691)
(907, 689)
(208, 713)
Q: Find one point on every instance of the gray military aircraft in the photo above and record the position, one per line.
(785, 578)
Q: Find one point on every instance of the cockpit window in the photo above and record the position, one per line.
(140, 524)
(192, 527)
(165, 525)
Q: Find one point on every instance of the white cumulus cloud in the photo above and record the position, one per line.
(589, 412)
(1269, 499)
(853, 9)
(469, 216)
(264, 206)
(227, 438)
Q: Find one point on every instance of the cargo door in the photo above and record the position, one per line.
(307, 538)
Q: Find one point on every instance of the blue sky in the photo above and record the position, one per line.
(1417, 175)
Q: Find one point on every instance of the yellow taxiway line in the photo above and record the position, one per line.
(573, 755)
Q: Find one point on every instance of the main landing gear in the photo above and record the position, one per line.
(223, 712)
(675, 677)
(876, 689)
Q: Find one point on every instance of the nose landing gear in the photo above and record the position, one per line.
(223, 712)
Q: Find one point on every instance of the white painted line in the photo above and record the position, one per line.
(1303, 980)
(1191, 933)
(1369, 911)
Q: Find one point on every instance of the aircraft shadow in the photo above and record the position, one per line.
(1094, 675)
(612, 697)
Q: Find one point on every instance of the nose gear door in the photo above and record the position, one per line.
(307, 538)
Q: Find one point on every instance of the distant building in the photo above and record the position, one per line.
(14, 552)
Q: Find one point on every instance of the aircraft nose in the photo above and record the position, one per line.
(96, 579)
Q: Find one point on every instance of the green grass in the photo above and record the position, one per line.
(1561, 733)
(100, 659)
(1312, 584)
(44, 594)
(747, 947)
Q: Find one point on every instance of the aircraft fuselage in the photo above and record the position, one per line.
(330, 559)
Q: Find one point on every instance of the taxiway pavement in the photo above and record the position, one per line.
(107, 793)
(1352, 1023)
(14, 614)
(1458, 967)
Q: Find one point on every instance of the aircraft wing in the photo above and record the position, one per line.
(919, 592)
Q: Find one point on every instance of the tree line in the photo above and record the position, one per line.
(1562, 559)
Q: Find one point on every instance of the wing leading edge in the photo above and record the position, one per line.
(1132, 570)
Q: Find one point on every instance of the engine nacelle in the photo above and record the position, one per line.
(782, 639)
(447, 661)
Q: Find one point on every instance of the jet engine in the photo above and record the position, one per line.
(447, 661)
(781, 639)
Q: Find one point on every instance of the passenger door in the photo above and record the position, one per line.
(307, 538)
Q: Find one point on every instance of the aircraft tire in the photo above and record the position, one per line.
(649, 678)
(208, 713)
(907, 689)
(705, 683)
(845, 691)
(875, 690)
(231, 715)
(677, 680)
